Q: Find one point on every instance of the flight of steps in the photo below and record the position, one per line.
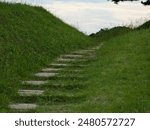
(58, 83)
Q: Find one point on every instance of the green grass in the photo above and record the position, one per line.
(117, 80)
(30, 38)
(107, 34)
(120, 78)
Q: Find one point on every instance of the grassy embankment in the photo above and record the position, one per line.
(120, 78)
(118, 81)
(30, 38)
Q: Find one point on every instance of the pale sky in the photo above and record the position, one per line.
(90, 16)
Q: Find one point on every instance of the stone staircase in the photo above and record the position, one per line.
(59, 82)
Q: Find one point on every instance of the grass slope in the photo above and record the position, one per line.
(120, 78)
(146, 25)
(30, 38)
(118, 81)
(107, 34)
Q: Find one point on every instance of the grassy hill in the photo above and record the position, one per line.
(118, 80)
(146, 25)
(30, 37)
(107, 34)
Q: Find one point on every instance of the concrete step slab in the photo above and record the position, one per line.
(70, 60)
(23, 106)
(51, 69)
(72, 56)
(64, 65)
(59, 65)
(30, 92)
(46, 74)
(84, 51)
(62, 70)
(65, 60)
(34, 82)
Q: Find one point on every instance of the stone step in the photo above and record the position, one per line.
(71, 56)
(65, 60)
(34, 82)
(51, 69)
(70, 60)
(84, 51)
(63, 65)
(85, 54)
(46, 74)
(61, 70)
(59, 65)
(30, 92)
(23, 106)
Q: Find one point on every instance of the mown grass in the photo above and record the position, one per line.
(30, 38)
(117, 81)
(120, 78)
